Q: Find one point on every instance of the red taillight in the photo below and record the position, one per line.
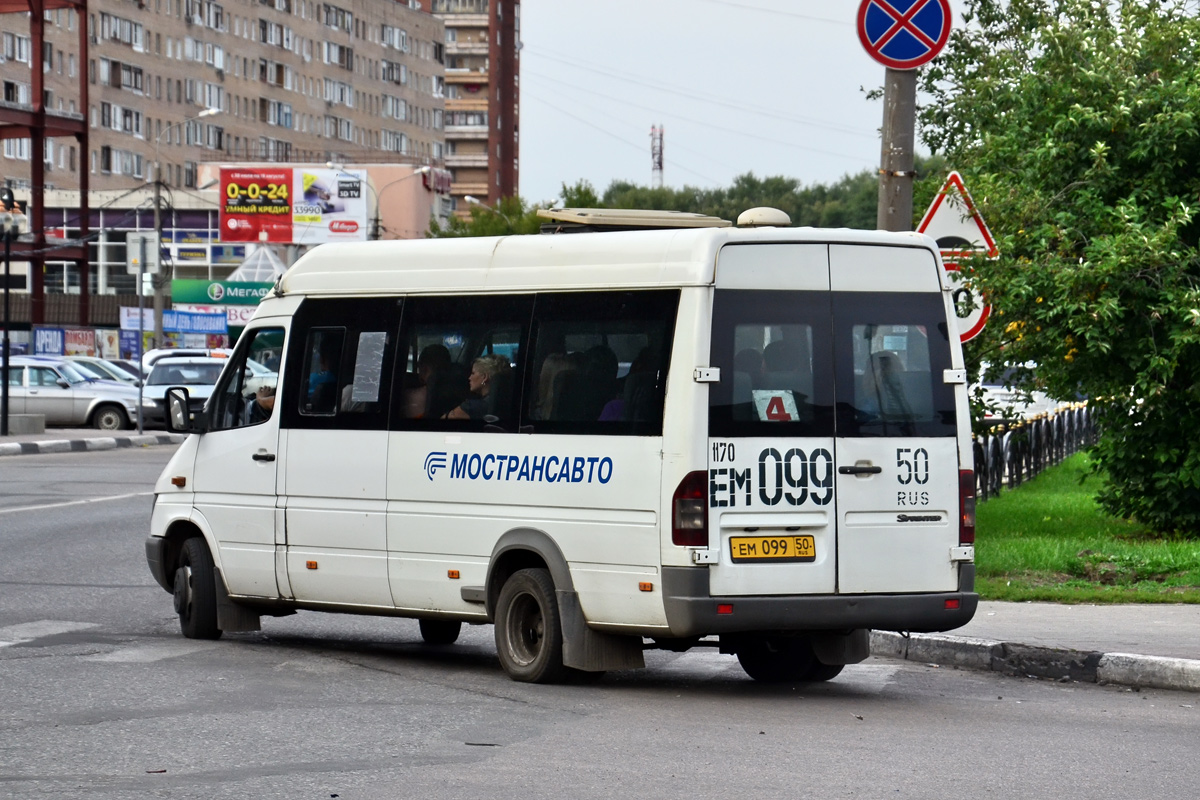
(689, 511)
(966, 507)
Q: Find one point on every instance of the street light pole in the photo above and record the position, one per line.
(375, 220)
(160, 281)
(379, 197)
(475, 201)
(10, 219)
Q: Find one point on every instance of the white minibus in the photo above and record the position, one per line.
(601, 440)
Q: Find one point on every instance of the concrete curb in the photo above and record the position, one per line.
(1058, 663)
(86, 445)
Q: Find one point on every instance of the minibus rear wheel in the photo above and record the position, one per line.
(196, 591)
(779, 659)
(529, 637)
(440, 631)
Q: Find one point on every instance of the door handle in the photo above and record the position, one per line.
(263, 456)
(859, 470)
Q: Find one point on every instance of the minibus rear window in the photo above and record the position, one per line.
(772, 349)
(892, 352)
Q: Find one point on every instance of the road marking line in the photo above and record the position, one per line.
(75, 502)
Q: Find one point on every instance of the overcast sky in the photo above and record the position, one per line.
(773, 87)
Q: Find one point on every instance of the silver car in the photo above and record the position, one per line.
(66, 396)
(103, 368)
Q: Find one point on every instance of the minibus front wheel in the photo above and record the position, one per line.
(195, 591)
(529, 637)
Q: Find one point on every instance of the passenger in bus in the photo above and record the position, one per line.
(487, 372)
(880, 396)
(322, 382)
(554, 365)
(637, 392)
(433, 360)
(750, 362)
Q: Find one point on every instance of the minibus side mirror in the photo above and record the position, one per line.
(178, 413)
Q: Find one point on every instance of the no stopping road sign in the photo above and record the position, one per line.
(904, 34)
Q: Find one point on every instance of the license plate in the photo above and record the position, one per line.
(743, 549)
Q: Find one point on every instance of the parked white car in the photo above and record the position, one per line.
(66, 396)
(198, 374)
(1006, 400)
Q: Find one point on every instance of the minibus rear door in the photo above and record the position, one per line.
(897, 451)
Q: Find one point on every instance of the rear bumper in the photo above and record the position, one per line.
(692, 611)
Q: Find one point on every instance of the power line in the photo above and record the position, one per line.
(674, 145)
(679, 91)
(777, 12)
(705, 123)
(638, 146)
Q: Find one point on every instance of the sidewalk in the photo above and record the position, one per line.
(1153, 646)
(1145, 645)
(74, 440)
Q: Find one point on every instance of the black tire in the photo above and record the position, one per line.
(529, 635)
(196, 591)
(109, 418)
(777, 659)
(440, 631)
(823, 672)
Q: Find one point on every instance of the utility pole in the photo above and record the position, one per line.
(895, 212)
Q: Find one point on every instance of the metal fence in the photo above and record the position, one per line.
(1014, 451)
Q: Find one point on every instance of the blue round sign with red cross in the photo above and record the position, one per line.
(903, 34)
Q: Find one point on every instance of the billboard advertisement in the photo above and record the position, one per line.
(293, 205)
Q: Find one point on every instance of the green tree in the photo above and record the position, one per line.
(1075, 123)
(509, 216)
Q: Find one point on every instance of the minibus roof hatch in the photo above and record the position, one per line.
(587, 220)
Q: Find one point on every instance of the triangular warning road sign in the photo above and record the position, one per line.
(954, 222)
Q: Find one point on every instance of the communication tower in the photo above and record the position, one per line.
(656, 156)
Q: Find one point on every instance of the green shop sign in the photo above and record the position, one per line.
(229, 293)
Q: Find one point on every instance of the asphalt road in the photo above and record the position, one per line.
(101, 697)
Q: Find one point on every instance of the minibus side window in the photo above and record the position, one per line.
(246, 393)
(463, 361)
(322, 363)
(340, 363)
(600, 362)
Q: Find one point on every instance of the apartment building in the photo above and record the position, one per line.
(483, 46)
(191, 84)
(293, 80)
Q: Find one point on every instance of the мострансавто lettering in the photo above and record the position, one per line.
(543, 469)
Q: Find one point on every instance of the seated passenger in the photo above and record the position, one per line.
(484, 372)
(434, 358)
(555, 364)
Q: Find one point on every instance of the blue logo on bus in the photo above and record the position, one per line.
(534, 469)
(434, 462)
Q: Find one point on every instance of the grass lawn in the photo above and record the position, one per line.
(1048, 540)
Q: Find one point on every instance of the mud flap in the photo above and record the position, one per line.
(593, 651)
(233, 617)
(842, 648)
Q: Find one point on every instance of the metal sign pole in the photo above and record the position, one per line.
(4, 371)
(141, 327)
